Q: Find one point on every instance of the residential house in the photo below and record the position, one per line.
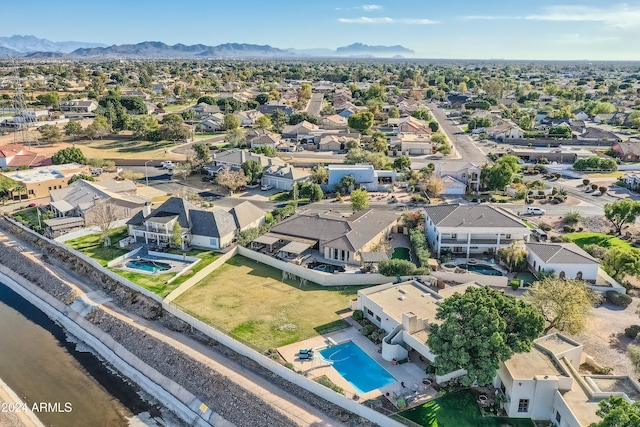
(547, 383)
(567, 260)
(303, 130)
(556, 121)
(627, 151)
(202, 110)
(405, 310)
(415, 144)
(87, 200)
(365, 176)
(338, 238)
(551, 154)
(78, 106)
(283, 176)
(336, 142)
(136, 94)
(465, 172)
(504, 132)
(631, 181)
(235, 158)
(409, 124)
(335, 121)
(262, 138)
(457, 100)
(37, 182)
(248, 215)
(15, 156)
(580, 115)
(603, 118)
(270, 109)
(466, 230)
(453, 187)
(248, 118)
(213, 229)
(598, 135)
(212, 122)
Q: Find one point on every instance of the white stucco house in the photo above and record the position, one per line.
(466, 172)
(453, 187)
(546, 384)
(567, 260)
(465, 230)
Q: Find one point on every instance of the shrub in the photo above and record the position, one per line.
(560, 239)
(568, 229)
(367, 330)
(586, 182)
(515, 284)
(544, 226)
(394, 267)
(325, 381)
(572, 217)
(418, 198)
(620, 300)
(358, 315)
(596, 251)
(632, 331)
(602, 370)
(594, 187)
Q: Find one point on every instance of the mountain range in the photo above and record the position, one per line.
(33, 47)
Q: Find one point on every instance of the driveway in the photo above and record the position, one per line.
(466, 147)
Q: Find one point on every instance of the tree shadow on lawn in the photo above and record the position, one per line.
(327, 328)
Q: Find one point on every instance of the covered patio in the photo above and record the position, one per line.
(293, 249)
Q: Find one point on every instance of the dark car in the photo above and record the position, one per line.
(32, 205)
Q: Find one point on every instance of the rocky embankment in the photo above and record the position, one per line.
(233, 402)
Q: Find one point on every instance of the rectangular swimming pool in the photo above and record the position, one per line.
(355, 366)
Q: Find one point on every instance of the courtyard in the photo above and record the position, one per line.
(253, 302)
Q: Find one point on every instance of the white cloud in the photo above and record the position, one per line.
(620, 16)
(617, 16)
(370, 7)
(385, 20)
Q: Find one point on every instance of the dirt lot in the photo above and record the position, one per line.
(604, 337)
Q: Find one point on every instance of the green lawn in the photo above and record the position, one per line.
(92, 245)
(601, 239)
(28, 215)
(458, 410)
(250, 300)
(285, 196)
(528, 224)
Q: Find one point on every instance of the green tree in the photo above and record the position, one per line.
(98, 129)
(315, 193)
(82, 176)
(499, 174)
(230, 122)
(51, 99)
(50, 133)
(480, 329)
(564, 304)
(279, 120)
(262, 98)
(73, 129)
(634, 119)
(622, 212)
(618, 412)
(264, 122)
(359, 199)
(434, 126)
(235, 137)
(144, 126)
(231, 180)
(361, 121)
(203, 154)
(346, 184)
(296, 118)
(526, 122)
(355, 155)
(176, 235)
(619, 262)
(264, 149)
(252, 170)
(174, 132)
(422, 114)
(402, 163)
(69, 155)
(379, 142)
(319, 174)
(393, 267)
(394, 113)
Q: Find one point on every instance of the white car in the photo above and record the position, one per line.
(167, 164)
(266, 187)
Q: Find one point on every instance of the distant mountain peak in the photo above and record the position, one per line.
(25, 44)
(365, 48)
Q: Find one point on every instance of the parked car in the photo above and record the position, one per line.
(167, 164)
(533, 210)
(32, 205)
(266, 187)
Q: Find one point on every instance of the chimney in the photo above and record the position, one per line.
(146, 209)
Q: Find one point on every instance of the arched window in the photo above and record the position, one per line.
(562, 275)
(579, 275)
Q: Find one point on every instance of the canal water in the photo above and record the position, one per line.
(41, 365)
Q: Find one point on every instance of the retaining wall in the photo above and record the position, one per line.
(501, 281)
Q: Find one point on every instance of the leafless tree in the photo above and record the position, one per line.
(105, 215)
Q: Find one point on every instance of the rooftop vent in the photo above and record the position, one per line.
(402, 298)
(402, 291)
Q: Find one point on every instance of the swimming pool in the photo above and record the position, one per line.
(355, 366)
(401, 253)
(487, 270)
(148, 265)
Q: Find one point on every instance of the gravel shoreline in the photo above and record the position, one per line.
(225, 397)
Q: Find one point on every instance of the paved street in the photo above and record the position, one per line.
(462, 142)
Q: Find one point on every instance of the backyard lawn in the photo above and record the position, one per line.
(250, 300)
(91, 245)
(30, 216)
(458, 410)
(601, 239)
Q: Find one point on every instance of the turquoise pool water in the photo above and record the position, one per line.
(401, 253)
(355, 366)
(148, 265)
(487, 270)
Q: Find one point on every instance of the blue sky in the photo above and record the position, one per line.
(509, 29)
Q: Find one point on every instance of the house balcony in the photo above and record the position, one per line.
(476, 242)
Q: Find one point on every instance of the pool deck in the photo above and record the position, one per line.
(407, 373)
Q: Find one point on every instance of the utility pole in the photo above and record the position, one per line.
(146, 175)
